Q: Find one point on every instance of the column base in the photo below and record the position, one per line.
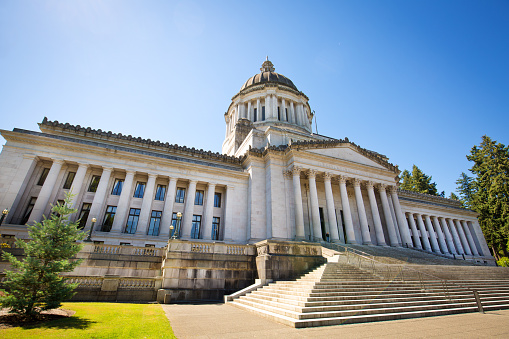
(367, 243)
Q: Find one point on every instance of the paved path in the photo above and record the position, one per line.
(226, 321)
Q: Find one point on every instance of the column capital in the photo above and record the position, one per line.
(152, 175)
(130, 172)
(58, 161)
(193, 181)
(312, 173)
(327, 176)
(382, 187)
(342, 179)
(393, 189)
(107, 169)
(357, 182)
(296, 170)
(83, 164)
(370, 184)
(210, 184)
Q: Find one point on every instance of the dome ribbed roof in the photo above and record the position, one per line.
(267, 74)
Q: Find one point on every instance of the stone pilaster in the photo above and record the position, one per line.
(45, 193)
(99, 197)
(168, 208)
(146, 205)
(123, 203)
(187, 218)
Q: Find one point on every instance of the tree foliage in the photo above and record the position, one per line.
(417, 181)
(490, 192)
(465, 189)
(34, 283)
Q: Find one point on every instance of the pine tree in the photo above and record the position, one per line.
(465, 189)
(454, 197)
(35, 284)
(419, 182)
(490, 192)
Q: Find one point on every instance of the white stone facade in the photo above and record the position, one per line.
(275, 180)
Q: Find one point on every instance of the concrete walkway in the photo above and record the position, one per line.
(226, 321)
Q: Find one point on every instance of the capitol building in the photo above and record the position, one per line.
(275, 182)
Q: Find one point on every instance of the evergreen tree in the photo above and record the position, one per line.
(465, 187)
(35, 284)
(454, 197)
(417, 181)
(490, 192)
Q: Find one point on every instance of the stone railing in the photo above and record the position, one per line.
(124, 250)
(178, 245)
(113, 283)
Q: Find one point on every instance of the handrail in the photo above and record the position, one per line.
(373, 263)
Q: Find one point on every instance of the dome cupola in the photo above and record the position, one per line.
(267, 75)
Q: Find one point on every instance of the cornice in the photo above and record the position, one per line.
(428, 198)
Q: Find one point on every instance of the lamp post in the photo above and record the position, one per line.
(89, 238)
(177, 229)
(171, 231)
(4, 214)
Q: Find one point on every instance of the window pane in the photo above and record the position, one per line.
(28, 211)
(109, 216)
(181, 193)
(215, 228)
(195, 231)
(132, 221)
(85, 210)
(161, 191)
(44, 174)
(94, 183)
(217, 199)
(198, 198)
(69, 180)
(139, 190)
(117, 187)
(155, 221)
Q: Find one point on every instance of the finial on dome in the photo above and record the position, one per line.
(267, 66)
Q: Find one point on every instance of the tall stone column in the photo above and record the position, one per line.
(415, 233)
(432, 236)
(293, 116)
(347, 214)
(463, 238)
(258, 110)
(13, 194)
(146, 205)
(43, 199)
(379, 231)
(208, 213)
(99, 197)
(77, 183)
(331, 212)
(187, 218)
(471, 242)
(388, 217)
(268, 107)
(448, 236)
(284, 116)
(123, 203)
(168, 208)
(456, 237)
(424, 235)
(402, 223)
(228, 214)
(315, 213)
(299, 211)
(274, 107)
(248, 115)
(301, 115)
(366, 237)
(394, 220)
(441, 239)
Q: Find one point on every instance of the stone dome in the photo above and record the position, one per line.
(267, 74)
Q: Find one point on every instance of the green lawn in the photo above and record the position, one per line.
(101, 320)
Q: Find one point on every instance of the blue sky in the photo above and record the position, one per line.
(418, 81)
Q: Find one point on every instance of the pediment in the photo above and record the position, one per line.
(346, 154)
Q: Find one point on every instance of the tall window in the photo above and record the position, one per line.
(263, 113)
(94, 183)
(132, 220)
(44, 174)
(286, 113)
(181, 193)
(278, 114)
(117, 187)
(198, 198)
(254, 114)
(155, 221)
(139, 190)
(195, 231)
(217, 199)
(215, 228)
(85, 210)
(69, 180)
(29, 209)
(160, 192)
(109, 216)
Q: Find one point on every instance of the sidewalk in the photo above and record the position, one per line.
(226, 321)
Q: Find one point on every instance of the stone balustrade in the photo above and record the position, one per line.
(125, 250)
(177, 245)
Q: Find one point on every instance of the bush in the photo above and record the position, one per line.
(503, 262)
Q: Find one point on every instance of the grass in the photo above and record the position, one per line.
(100, 320)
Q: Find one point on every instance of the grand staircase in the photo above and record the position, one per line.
(341, 293)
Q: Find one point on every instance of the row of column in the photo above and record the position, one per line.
(388, 207)
(297, 113)
(445, 235)
(124, 202)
